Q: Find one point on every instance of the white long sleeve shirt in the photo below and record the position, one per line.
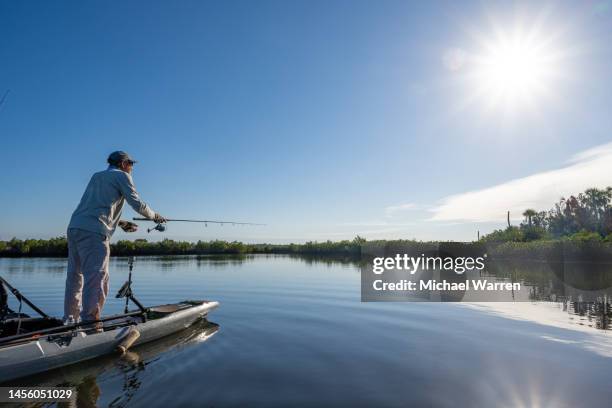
(100, 207)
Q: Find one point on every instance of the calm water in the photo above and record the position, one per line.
(294, 333)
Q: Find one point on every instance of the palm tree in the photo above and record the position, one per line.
(597, 201)
(528, 214)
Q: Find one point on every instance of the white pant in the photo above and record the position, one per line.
(87, 277)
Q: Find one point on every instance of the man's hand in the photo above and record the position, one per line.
(158, 218)
(128, 226)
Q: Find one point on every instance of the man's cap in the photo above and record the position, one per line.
(120, 156)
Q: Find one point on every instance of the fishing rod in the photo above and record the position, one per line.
(160, 227)
(62, 328)
(22, 298)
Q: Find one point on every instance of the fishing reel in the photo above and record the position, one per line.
(159, 227)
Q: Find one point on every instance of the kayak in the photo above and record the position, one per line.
(47, 344)
(135, 362)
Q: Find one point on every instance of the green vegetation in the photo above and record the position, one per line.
(34, 247)
(358, 248)
(579, 227)
(583, 218)
(58, 247)
(340, 250)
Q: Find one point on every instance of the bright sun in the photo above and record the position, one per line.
(515, 69)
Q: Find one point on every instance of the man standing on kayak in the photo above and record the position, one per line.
(91, 226)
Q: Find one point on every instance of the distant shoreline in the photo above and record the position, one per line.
(358, 248)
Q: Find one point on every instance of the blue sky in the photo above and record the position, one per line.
(323, 119)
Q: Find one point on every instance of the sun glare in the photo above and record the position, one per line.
(514, 71)
(515, 68)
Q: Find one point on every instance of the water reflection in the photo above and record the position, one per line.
(231, 260)
(127, 369)
(13, 266)
(593, 314)
(327, 260)
(581, 290)
(296, 333)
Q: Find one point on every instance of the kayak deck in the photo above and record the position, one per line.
(38, 353)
